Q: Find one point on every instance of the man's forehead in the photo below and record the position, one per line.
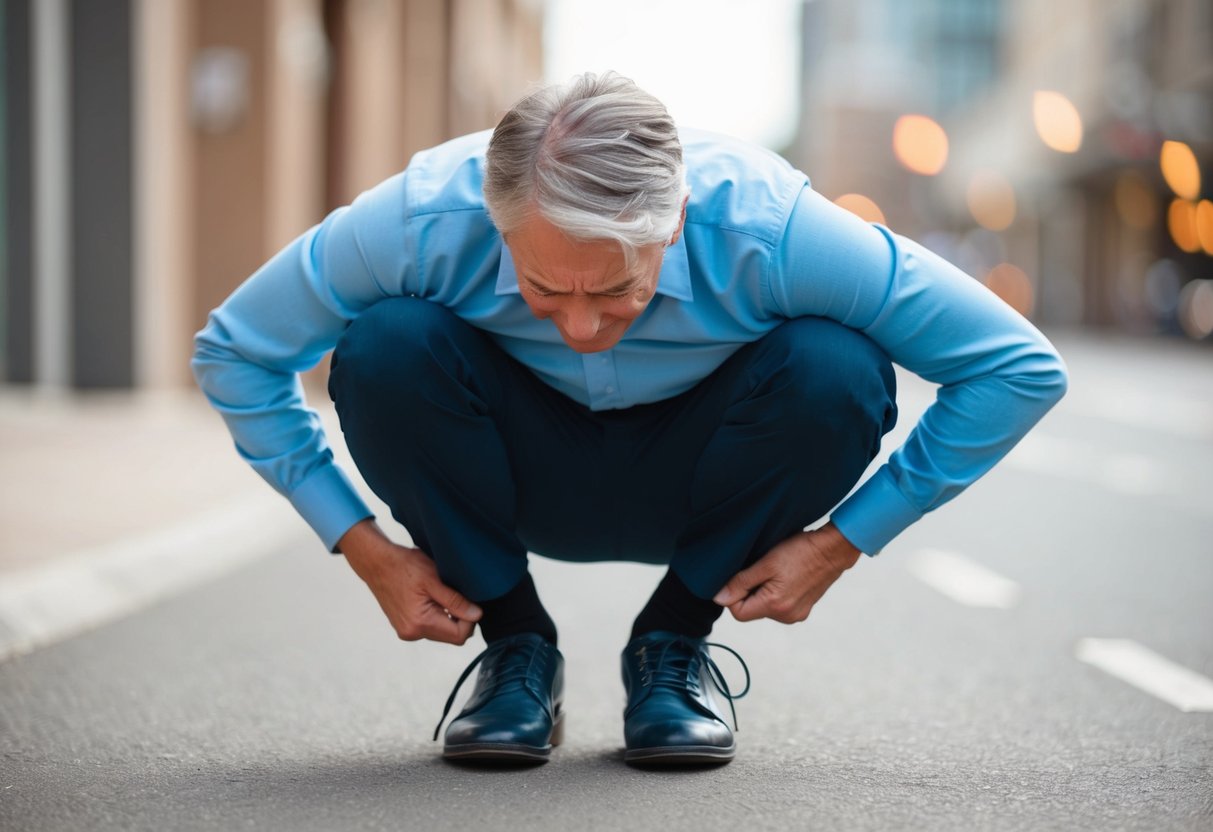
(605, 286)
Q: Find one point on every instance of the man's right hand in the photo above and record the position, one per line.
(405, 582)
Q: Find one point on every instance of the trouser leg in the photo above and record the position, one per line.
(415, 389)
(798, 416)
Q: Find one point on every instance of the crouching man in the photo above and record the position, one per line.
(593, 337)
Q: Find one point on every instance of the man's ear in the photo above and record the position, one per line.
(682, 219)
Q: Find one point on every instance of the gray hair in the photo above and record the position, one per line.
(597, 157)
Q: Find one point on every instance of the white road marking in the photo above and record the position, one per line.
(964, 581)
(77, 592)
(1144, 669)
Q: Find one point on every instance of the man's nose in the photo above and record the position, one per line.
(581, 320)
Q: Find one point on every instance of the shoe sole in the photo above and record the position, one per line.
(506, 752)
(679, 755)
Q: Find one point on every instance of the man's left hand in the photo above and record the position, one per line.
(787, 581)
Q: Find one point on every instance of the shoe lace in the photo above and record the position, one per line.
(676, 669)
(521, 658)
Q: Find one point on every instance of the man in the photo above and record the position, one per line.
(598, 338)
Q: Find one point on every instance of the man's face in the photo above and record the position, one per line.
(585, 288)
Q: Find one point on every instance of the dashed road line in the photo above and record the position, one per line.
(48, 603)
(963, 580)
(1141, 667)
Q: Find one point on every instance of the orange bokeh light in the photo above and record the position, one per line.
(1204, 225)
(1012, 285)
(920, 144)
(862, 207)
(1057, 121)
(1181, 222)
(991, 200)
(1135, 201)
(1180, 169)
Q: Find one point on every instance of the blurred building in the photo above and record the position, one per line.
(1058, 118)
(155, 152)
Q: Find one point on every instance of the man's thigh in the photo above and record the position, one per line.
(611, 485)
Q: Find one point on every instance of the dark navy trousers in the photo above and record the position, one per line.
(483, 462)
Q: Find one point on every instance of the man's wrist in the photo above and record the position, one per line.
(360, 544)
(845, 553)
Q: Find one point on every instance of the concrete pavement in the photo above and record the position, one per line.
(277, 697)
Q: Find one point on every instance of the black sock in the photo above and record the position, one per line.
(518, 611)
(676, 609)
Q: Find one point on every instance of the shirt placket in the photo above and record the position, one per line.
(602, 380)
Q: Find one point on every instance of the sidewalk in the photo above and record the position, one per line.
(112, 501)
(83, 470)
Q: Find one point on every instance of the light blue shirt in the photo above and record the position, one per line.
(759, 246)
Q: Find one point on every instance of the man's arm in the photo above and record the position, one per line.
(282, 321)
(998, 377)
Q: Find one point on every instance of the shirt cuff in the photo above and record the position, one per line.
(329, 503)
(875, 514)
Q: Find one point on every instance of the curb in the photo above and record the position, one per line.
(89, 588)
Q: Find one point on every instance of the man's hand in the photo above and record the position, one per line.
(787, 581)
(405, 582)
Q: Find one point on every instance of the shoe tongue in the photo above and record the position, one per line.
(513, 661)
(659, 638)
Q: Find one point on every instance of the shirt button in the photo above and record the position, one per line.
(610, 389)
(602, 358)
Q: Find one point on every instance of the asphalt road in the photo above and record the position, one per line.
(277, 697)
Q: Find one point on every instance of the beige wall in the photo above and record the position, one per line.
(164, 303)
(340, 94)
(230, 178)
(410, 75)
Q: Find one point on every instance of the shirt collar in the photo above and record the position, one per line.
(673, 281)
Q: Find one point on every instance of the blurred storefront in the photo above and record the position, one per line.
(155, 152)
(1053, 150)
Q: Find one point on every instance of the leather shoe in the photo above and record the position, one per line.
(515, 711)
(674, 714)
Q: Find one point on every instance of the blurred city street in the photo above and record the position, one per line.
(178, 650)
(275, 696)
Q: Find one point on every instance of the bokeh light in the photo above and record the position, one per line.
(1135, 201)
(1057, 121)
(862, 207)
(1181, 222)
(920, 144)
(1196, 309)
(1180, 169)
(1163, 282)
(991, 200)
(1013, 286)
(1204, 225)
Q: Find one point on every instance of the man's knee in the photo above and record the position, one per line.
(827, 376)
(391, 340)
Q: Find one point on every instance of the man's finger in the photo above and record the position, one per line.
(750, 607)
(739, 585)
(455, 604)
(447, 630)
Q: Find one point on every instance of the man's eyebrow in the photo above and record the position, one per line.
(618, 288)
